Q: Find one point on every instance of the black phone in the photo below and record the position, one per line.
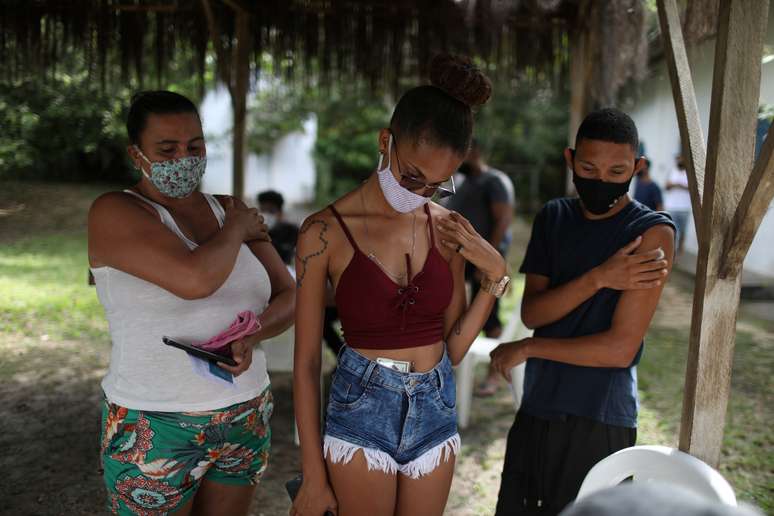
(198, 352)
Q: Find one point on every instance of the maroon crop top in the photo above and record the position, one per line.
(377, 313)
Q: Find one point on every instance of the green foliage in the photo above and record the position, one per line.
(346, 150)
(523, 130)
(766, 112)
(347, 126)
(65, 127)
(61, 129)
(275, 112)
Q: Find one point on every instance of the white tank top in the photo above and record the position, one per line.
(146, 374)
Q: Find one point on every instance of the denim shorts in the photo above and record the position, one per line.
(403, 422)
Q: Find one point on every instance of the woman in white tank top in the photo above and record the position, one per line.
(179, 433)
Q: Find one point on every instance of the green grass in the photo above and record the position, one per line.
(748, 445)
(44, 290)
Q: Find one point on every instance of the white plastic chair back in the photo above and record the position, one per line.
(658, 464)
(479, 352)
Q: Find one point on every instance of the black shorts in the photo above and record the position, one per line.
(547, 460)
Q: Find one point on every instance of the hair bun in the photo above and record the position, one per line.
(460, 78)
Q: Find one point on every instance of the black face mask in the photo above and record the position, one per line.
(598, 196)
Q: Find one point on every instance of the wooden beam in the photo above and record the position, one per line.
(735, 91)
(241, 83)
(223, 64)
(239, 6)
(756, 199)
(164, 8)
(580, 75)
(234, 71)
(685, 103)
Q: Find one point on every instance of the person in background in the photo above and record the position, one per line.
(678, 201)
(486, 198)
(595, 267)
(283, 234)
(647, 191)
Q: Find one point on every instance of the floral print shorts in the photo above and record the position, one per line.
(153, 462)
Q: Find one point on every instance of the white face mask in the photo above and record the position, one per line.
(401, 200)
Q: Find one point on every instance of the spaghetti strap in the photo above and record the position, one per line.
(430, 225)
(344, 227)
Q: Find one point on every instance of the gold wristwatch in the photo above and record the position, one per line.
(496, 288)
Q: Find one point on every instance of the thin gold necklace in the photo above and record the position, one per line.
(371, 256)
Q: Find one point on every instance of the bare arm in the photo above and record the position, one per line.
(278, 316)
(623, 271)
(312, 256)
(615, 347)
(463, 326)
(126, 236)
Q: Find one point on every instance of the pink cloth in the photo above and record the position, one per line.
(245, 324)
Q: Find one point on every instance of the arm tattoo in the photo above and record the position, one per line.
(320, 250)
(458, 326)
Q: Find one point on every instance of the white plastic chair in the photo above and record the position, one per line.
(658, 464)
(479, 352)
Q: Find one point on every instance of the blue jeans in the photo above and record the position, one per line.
(403, 422)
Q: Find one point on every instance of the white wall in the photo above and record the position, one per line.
(288, 168)
(654, 114)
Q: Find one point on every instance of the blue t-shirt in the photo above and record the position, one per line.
(648, 194)
(565, 245)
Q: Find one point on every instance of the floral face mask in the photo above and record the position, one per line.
(176, 178)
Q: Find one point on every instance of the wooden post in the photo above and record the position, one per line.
(234, 72)
(685, 102)
(735, 90)
(580, 74)
(755, 201)
(241, 71)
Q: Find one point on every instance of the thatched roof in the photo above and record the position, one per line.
(330, 40)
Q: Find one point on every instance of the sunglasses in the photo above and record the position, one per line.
(443, 190)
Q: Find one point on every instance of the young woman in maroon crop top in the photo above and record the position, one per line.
(396, 262)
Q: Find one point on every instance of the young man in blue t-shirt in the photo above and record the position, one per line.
(595, 267)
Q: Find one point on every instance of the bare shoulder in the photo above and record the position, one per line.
(659, 236)
(317, 230)
(659, 233)
(118, 206)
